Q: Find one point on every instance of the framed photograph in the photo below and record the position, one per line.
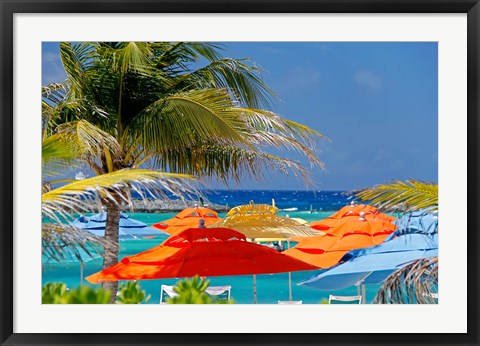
(224, 172)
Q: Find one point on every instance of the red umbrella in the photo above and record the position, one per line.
(203, 252)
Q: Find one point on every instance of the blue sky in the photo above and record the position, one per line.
(376, 102)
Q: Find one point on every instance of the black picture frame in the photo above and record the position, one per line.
(7, 175)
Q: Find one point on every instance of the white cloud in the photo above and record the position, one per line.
(369, 79)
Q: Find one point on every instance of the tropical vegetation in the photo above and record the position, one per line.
(132, 293)
(193, 291)
(180, 108)
(58, 293)
(402, 196)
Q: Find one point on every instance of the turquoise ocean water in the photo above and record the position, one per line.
(270, 288)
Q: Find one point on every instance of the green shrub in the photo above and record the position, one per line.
(54, 293)
(57, 293)
(88, 295)
(132, 293)
(192, 291)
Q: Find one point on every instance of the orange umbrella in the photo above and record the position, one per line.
(367, 224)
(327, 250)
(350, 232)
(188, 218)
(353, 210)
(203, 252)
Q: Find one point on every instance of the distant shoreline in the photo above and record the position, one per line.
(174, 206)
(162, 206)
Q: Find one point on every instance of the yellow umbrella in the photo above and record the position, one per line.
(300, 221)
(259, 221)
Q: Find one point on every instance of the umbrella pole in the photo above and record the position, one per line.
(290, 296)
(81, 273)
(364, 294)
(254, 289)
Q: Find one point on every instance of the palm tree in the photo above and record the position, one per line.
(59, 239)
(417, 281)
(133, 105)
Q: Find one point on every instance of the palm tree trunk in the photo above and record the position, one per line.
(111, 247)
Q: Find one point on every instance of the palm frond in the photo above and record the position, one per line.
(55, 92)
(57, 153)
(172, 53)
(63, 242)
(286, 166)
(304, 131)
(226, 162)
(90, 139)
(416, 283)
(76, 60)
(175, 58)
(260, 119)
(129, 57)
(180, 120)
(207, 50)
(87, 195)
(402, 196)
(242, 79)
(59, 108)
(284, 142)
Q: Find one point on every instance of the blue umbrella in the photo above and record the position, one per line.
(421, 221)
(72, 256)
(373, 265)
(129, 228)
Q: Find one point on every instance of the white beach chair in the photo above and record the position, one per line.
(290, 302)
(219, 292)
(344, 299)
(166, 292)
